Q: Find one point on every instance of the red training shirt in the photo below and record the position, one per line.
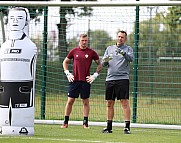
(82, 60)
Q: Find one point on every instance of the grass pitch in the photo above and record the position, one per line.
(77, 134)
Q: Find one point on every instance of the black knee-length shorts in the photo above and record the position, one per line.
(117, 89)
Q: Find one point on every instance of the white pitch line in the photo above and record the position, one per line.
(56, 139)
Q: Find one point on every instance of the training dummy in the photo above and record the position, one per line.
(18, 56)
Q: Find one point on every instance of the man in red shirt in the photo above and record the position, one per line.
(80, 80)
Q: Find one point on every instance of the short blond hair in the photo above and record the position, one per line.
(83, 35)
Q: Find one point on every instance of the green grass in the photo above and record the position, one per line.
(161, 110)
(76, 134)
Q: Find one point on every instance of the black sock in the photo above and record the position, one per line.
(127, 124)
(66, 119)
(109, 124)
(85, 120)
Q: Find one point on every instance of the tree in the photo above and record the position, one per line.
(162, 41)
(174, 22)
(34, 12)
(99, 40)
(62, 26)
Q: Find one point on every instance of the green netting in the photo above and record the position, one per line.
(157, 99)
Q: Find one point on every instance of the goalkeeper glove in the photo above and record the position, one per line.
(119, 51)
(91, 78)
(69, 75)
(123, 52)
(107, 58)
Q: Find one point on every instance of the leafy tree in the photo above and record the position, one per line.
(34, 11)
(156, 41)
(62, 26)
(147, 38)
(174, 22)
(99, 40)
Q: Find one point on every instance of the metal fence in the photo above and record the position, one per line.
(154, 31)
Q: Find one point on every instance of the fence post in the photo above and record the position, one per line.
(135, 79)
(44, 64)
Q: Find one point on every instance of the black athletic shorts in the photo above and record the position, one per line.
(77, 88)
(117, 89)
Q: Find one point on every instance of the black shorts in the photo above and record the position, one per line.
(117, 89)
(77, 88)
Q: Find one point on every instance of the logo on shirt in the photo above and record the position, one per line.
(12, 51)
(86, 56)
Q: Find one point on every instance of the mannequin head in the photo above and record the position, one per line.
(18, 19)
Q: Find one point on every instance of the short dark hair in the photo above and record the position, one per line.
(122, 31)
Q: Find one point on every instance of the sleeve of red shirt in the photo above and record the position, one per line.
(96, 56)
(70, 54)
